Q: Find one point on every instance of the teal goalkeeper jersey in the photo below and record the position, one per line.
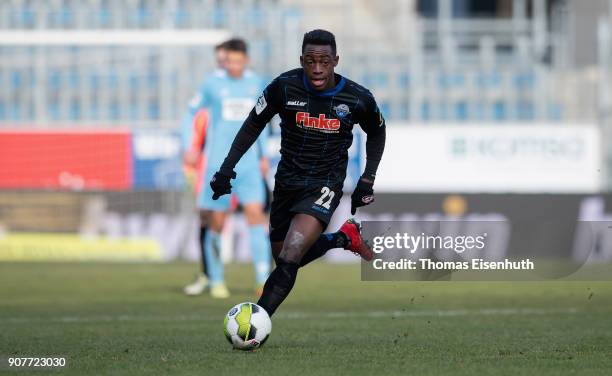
(228, 101)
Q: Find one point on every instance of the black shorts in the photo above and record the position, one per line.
(317, 201)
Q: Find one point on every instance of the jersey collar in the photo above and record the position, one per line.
(328, 92)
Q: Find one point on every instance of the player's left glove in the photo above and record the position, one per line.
(363, 195)
(220, 183)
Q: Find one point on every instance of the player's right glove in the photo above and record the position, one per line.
(363, 195)
(220, 183)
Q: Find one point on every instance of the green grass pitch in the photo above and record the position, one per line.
(128, 319)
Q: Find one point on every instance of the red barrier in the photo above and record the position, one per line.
(64, 159)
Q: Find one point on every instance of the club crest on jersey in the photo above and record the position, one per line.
(342, 110)
(304, 119)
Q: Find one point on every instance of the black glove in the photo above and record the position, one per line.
(362, 196)
(220, 183)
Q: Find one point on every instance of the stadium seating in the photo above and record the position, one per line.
(105, 83)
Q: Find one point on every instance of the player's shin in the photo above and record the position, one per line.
(278, 285)
(324, 244)
(212, 246)
(262, 255)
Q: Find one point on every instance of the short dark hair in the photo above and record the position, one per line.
(319, 37)
(236, 45)
(220, 46)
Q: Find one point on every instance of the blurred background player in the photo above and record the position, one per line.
(194, 135)
(229, 96)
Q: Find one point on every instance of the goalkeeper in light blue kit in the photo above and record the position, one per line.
(229, 96)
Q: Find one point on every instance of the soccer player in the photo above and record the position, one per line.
(194, 134)
(318, 109)
(229, 96)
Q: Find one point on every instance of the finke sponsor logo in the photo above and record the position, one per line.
(303, 119)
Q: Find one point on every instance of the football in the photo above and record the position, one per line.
(247, 326)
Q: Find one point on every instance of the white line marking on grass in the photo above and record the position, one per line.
(299, 315)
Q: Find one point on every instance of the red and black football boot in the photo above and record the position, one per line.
(357, 245)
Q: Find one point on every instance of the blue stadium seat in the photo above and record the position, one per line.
(32, 79)
(14, 112)
(524, 81)
(257, 16)
(16, 79)
(450, 80)
(74, 78)
(24, 18)
(382, 79)
(94, 110)
(64, 16)
(525, 110)
(53, 110)
(141, 16)
(219, 17)
(174, 79)
(112, 80)
(479, 112)
(153, 109)
(3, 114)
(425, 110)
(133, 110)
(442, 113)
(152, 79)
(94, 81)
(134, 81)
(181, 15)
(113, 110)
(488, 80)
(461, 111)
(54, 79)
(499, 111)
(30, 113)
(404, 111)
(555, 111)
(403, 80)
(104, 15)
(75, 110)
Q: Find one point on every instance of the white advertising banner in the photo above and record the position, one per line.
(556, 158)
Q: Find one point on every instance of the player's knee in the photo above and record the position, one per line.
(204, 217)
(254, 214)
(293, 247)
(216, 222)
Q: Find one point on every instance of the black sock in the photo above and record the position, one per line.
(278, 285)
(324, 244)
(202, 252)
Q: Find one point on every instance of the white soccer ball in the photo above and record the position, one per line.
(247, 326)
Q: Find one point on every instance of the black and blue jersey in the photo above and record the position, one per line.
(316, 129)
